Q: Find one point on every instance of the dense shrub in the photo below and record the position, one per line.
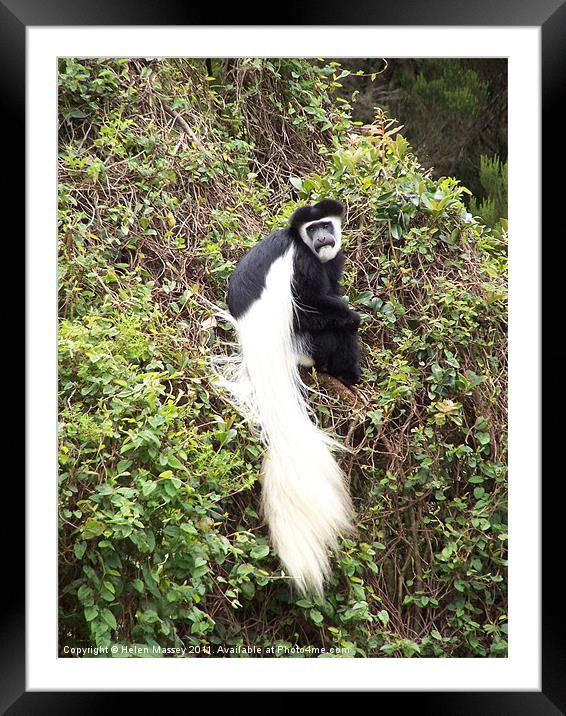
(167, 175)
(492, 209)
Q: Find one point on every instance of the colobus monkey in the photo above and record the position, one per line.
(285, 299)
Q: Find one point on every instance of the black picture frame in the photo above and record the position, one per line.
(550, 16)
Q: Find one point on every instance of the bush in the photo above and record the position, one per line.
(492, 209)
(167, 176)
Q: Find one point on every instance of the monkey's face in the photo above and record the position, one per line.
(323, 237)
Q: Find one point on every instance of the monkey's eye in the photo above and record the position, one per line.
(324, 225)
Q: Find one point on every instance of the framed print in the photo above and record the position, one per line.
(182, 501)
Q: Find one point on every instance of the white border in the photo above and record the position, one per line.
(521, 670)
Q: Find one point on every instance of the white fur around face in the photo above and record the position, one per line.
(326, 253)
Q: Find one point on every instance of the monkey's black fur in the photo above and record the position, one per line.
(325, 208)
(326, 327)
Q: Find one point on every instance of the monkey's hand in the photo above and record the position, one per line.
(355, 319)
(351, 376)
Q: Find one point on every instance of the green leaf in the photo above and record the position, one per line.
(109, 618)
(148, 488)
(91, 613)
(383, 617)
(93, 528)
(79, 549)
(260, 551)
(316, 616)
(171, 486)
(137, 584)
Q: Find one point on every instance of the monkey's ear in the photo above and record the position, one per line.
(329, 207)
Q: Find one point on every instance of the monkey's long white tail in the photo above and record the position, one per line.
(304, 494)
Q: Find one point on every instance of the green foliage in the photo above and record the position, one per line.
(161, 543)
(452, 110)
(492, 209)
(443, 84)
